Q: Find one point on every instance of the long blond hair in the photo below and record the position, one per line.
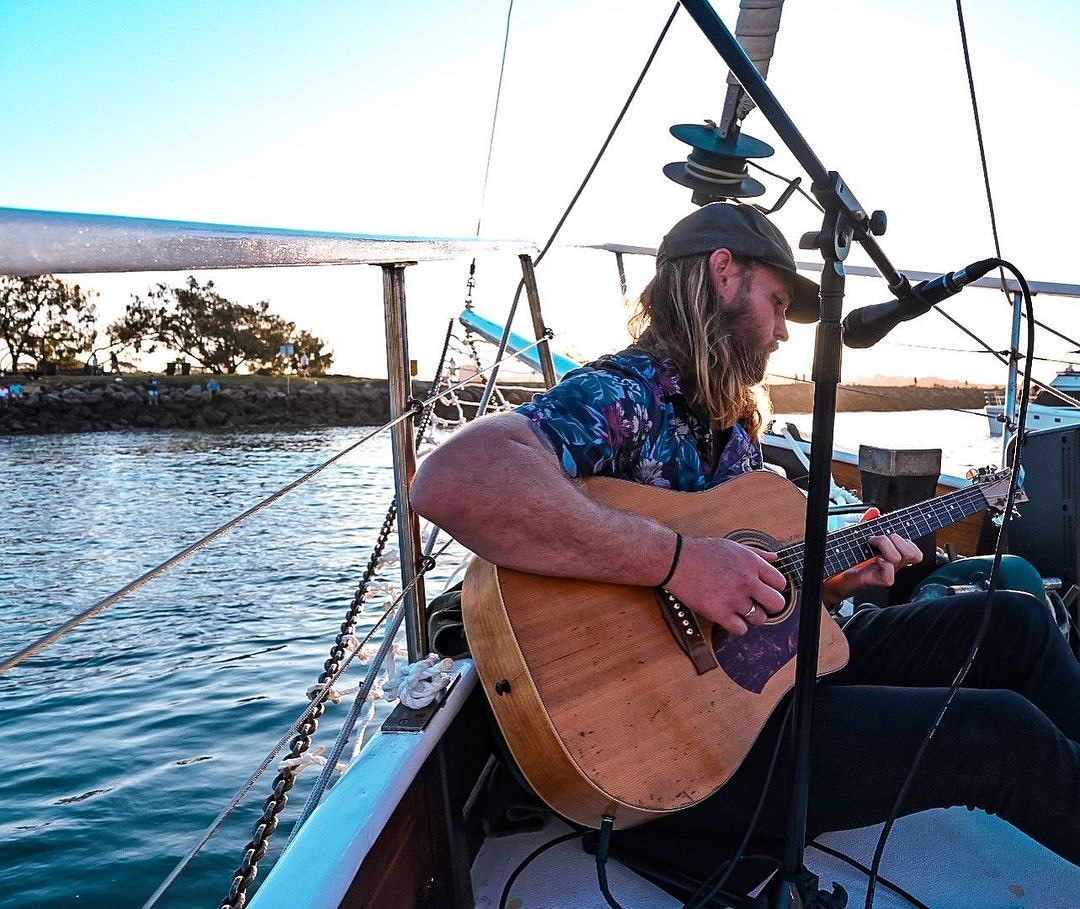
(679, 315)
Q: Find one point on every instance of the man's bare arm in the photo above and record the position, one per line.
(500, 491)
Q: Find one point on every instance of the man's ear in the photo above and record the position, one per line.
(722, 268)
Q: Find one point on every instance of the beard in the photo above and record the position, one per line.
(749, 352)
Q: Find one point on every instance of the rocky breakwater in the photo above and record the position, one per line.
(102, 404)
(799, 397)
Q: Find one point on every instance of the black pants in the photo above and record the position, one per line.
(1009, 744)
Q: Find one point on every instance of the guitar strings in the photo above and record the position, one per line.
(848, 546)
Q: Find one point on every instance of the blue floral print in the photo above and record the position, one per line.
(624, 416)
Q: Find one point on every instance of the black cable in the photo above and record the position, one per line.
(531, 857)
(712, 884)
(708, 889)
(603, 844)
(859, 866)
(999, 549)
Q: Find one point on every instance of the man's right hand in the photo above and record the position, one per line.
(728, 583)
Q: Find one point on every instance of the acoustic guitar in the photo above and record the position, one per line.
(617, 700)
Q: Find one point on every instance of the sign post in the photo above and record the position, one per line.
(286, 350)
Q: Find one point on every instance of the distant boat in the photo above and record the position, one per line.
(1057, 407)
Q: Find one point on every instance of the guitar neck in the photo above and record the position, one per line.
(848, 547)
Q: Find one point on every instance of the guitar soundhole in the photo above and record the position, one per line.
(758, 540)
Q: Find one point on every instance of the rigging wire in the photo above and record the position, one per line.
(53, 636)
(494, 121)
(574, 200)
(881, 396)
(317, 699)
(611, 133)
(986, 177)
(979, 137)
(328, 770)
(798, 187)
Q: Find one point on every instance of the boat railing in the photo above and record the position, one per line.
(1050, 288)
(42, 242)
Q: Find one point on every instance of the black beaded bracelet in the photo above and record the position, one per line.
(674, 560)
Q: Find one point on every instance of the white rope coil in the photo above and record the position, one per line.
(419, 683)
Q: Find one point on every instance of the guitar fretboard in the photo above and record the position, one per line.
(847, 547)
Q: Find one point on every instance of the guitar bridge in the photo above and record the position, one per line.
(684, 627)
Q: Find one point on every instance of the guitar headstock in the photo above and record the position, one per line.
(993, 483)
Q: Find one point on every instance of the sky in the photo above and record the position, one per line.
(375, 117)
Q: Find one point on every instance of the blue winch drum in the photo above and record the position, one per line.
(1016, 573)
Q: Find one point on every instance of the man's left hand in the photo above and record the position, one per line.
(894, 552)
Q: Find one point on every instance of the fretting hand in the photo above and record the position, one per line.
(893, 553)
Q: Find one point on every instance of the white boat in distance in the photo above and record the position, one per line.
(1056, 405)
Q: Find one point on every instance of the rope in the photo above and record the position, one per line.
(256, 848)
(315, 796)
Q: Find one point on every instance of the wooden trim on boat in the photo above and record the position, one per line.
(424, 855)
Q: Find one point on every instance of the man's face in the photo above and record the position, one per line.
(756, 312)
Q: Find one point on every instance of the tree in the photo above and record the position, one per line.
(196, 321)
(45, 318)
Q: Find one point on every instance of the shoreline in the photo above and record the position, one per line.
(109, 403)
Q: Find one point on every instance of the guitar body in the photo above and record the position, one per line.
(605, 713)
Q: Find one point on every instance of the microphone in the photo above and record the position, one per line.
(865, 326)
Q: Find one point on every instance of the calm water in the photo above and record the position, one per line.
(126, 740)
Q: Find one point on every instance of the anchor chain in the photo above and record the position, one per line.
(500, 398)
(275, 803)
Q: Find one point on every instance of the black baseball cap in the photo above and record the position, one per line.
(746, 232)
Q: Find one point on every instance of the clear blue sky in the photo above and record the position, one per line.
(374, 116)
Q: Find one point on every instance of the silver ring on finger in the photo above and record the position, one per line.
(750, 611)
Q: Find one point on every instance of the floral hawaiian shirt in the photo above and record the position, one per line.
(624, 416)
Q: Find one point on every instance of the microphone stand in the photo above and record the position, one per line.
(794, 887)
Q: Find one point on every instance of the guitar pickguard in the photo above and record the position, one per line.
(751, 659)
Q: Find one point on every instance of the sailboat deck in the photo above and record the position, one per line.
(947, 859)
